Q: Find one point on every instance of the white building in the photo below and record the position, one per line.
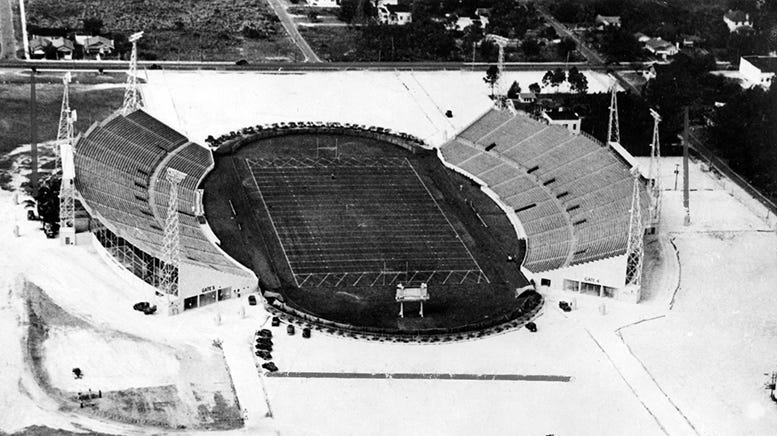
(661, 47)
(565, 118)
(736, 19)
(397, 15)
(325, 3)
(758, 70)
(603, 22)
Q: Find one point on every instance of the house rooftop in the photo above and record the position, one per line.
(658, 43)
(767, 64)
(737, 16)
(398, 8)
(613, 19)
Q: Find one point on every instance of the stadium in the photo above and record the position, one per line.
(327, 220)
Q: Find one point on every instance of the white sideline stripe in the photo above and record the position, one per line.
(447, 220)
(275, 229)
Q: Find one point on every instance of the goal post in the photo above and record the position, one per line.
(404, 294)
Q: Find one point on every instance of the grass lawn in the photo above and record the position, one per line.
(175, 30)
(91, 104)
(335, 43)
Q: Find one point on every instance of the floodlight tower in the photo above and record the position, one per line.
(654, 173)
(613, 131)
(501, 42)
(635, 249)
(67, 214)
(64, 114)
(172, 241)
(131, 96)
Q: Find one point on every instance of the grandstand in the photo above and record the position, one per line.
(571, 194)
(120, 165)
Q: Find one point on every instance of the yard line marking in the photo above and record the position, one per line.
(275, 229)
(446, 218)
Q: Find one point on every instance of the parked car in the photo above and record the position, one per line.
(269, 366)
(264, 333)
(241, 62)
(532, 327)
(264, 355)
(290, 329)
(563, 305)
(145, 307)
(306, 332)
(276, 321)
(252, 300)
(264, 347)
(265, 341)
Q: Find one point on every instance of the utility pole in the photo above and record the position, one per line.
(33, 136)
(676, 174)
(686, 183)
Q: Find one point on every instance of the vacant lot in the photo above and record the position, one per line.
(184, 29)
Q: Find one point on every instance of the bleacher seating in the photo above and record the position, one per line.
(115, 163)
(571, 194)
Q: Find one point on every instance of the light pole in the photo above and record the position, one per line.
(676, 174)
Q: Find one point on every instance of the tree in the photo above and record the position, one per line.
(577, 80)
(514, 90)
(535, 88)
(313, 16)
(531, 48)
(620, 45)
(93, 26)
(566, 46)
(554, 78)
(492, 77)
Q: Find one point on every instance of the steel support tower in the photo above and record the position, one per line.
(67, 190)
(64, 114)
(635, 248)
(171, 254)
(131, 96)
(613, 130)
(654, 173)
(501, 42)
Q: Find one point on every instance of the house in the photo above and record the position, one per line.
(736, 19)
(660, 47)
(398, 15)
(39, 46)
(563, 117)
(464, 22)
(691, 41)
(95, 44)
(325, 3)
(758, 70)
(64, 46)
(603, 22)
(641, 37)
(527, 97)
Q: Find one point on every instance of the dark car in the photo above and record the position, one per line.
(241, 62)
(145, 307)
(276, 321)
(264, 333)
(264, 347)
(563, 305)
(532, 327)
(270, 366)
(265, 341)
(290, 330)
(306, 332)
(252, 300)
(264, 355)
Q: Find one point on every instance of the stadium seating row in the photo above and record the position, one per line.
(121, 165)
(571, 194)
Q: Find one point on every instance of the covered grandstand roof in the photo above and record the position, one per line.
(571, 193)
(120, 165)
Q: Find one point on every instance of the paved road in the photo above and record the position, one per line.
(108, 65)
(592, 57)
(291, 29)
(7, 40)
